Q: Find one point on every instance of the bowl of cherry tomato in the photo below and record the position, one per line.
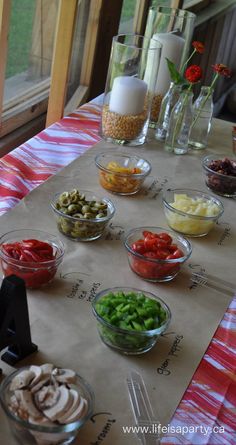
(32, 255)
(120, 173)
(156, 254)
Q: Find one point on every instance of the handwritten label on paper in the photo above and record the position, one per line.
(155, 187)
(197, 281)
(82, 287)
(115, 232)
(164, 369)
(226, 232)
(104, 429)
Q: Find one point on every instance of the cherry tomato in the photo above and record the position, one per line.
(149, 235)
(166, 237)
(154, 243)
(162, 254)
(138, 247)
(176, 254)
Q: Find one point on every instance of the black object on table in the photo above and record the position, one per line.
(14, 321)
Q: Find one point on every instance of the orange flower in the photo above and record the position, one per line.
(198, 46)
(193, 73)
(222, 70)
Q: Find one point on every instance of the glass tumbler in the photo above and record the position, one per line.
(173, 28)
(131, 78)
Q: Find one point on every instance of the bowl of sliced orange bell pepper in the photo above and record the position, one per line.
(120, 173)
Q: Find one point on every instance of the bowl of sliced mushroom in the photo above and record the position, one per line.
(46, 405)
(81, 215)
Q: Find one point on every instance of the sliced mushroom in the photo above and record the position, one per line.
(47, 369)
(40, 384)
(27, 403)
(37, 370)
(76, 401)
(41, 421)
(47, 397)
(63, 403)
(65, 376)
(79, 412)
(22, 380)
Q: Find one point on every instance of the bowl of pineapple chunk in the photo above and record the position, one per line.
(191, 212)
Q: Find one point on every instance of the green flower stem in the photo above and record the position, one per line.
(186, 63)
(204, 102)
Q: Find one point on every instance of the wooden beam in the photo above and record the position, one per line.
(42, 38)
(5, 9)
(79, 97)
(177, 4)
(61, 59)
(108, 27)
(23, 113)
(22, 134)
(90, 41)
(140, 16)
(29, 93)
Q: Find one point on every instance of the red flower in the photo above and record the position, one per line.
(198, 46)
(193, 73)
(222, 70)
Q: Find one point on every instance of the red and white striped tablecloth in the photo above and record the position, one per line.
(207, 412)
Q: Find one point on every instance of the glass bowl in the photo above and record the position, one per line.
(127, 340)
(80, 228)
(151, 268)
(220, 174)
(191, 212)
(117, 172)
(28, 432)
(35, 273)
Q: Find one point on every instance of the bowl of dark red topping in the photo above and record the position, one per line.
(220, 174)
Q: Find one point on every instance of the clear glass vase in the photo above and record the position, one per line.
(177, 137)
(131, 77)
(202, 117)
(173, 28)
(167, 105)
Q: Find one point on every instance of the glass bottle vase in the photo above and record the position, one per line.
(177, 137)
(202, 117)
(167, 105)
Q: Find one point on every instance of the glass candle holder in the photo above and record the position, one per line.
(131, 78)
(173, 28)
(234, 140)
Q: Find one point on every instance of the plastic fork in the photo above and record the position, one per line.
(142, 410)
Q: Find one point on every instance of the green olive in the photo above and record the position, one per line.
(85, 209)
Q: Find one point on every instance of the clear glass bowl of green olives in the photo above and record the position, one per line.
(82, 215)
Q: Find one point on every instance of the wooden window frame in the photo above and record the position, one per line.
(104, 17)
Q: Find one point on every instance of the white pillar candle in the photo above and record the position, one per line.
(153, 62)
(128, 95)
(172, 48)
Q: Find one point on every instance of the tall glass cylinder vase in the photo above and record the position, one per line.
(132, 73)
(174, 29)
(202, 117)
(177, 137)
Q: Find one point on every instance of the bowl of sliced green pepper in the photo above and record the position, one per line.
(130, 320)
